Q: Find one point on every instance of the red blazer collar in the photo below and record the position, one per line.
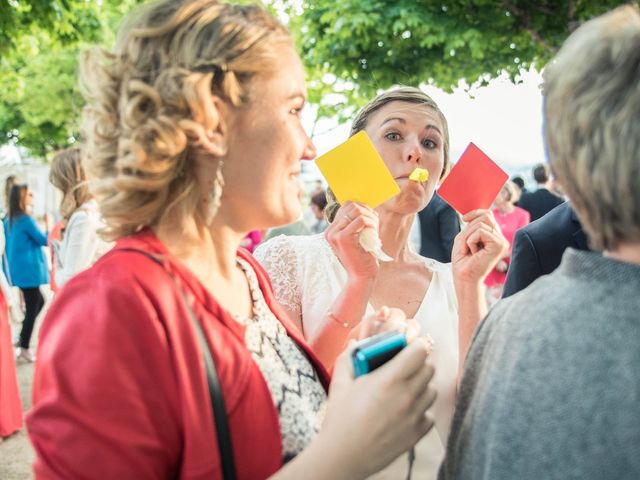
(147, 241)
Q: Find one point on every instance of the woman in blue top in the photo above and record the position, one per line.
(27, 264)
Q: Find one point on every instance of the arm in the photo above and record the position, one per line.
(362, 269)
(349, 308)
(279, 259)
(525, 265)
(77, 249)
(477, 249)
(34, 233)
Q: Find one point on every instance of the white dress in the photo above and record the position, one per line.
(307, 277)
(80, 246)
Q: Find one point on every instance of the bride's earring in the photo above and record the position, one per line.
(215, 192)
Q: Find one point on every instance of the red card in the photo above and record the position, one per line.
(474, 182)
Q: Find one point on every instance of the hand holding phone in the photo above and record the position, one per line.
(375, 351)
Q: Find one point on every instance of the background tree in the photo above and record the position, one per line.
(356, 47)
(39, 45)
(352, 49)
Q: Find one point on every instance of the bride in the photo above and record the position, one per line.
(328, 283)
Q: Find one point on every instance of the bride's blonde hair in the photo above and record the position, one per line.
(149, 106)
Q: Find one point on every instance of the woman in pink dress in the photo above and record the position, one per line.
(510, 219)
(252, 240)
(10, 406)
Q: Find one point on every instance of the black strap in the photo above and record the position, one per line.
(215, 390)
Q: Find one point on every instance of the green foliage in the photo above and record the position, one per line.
(39, 109)
(69, 21)
(352, 49)
(369, 45)
(39, 45)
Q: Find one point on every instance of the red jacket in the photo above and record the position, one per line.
(120, 391)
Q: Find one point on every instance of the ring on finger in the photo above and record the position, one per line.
(346, 215)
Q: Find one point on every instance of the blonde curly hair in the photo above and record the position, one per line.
(149, 108)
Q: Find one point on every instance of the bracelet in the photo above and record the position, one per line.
(332, 316)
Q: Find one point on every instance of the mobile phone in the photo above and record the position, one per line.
(375, 351)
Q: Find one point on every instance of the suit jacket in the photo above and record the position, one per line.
(538, 247)
(539, 203)
(439, 225)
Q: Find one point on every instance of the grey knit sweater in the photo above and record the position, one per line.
(551, 386)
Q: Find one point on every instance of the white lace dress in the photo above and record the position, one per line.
(307, 277)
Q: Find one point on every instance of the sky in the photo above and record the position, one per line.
(503, 119)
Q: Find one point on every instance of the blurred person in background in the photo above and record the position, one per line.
(9, 182)
(80, 246)
(510, 219)
(194, 137)
(439, 225)
(519, 182)
(541, 201)
(317, 204)
(252, 240)
(27, 264)
(550, 388)
(538, 247)
(10, 404)
(11, 298)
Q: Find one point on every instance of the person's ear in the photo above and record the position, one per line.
(209, 113)
(215, 134)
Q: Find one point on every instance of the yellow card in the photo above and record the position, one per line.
(355, 172)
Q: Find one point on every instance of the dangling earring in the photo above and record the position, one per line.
(215, 193)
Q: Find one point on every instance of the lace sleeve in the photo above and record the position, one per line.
(278, 258)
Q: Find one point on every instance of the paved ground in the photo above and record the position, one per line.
(16, 453)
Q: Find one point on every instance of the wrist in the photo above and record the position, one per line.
(468, 288)
(340, 462)
(359, 284)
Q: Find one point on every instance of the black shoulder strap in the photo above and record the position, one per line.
(215, 390)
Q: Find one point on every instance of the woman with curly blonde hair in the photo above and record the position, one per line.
(170, 356)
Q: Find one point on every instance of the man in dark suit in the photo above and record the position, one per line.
(439, 225)
(538, 247)
(519, 181)
(542, 201)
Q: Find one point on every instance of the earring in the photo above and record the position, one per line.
(215, 193)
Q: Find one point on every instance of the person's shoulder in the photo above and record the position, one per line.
(435, 265)
(443, 270)
(79, 217)
(297, 244)
(522, 213)
(554, 222)
(520, 210)
(120, 269)
(21, 221)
